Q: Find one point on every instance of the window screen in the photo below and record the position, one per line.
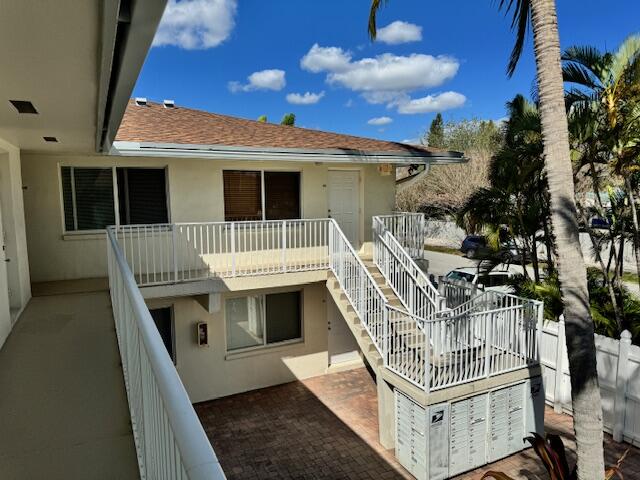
(245, 319)
(242, 195)
(260, 320)
(283, 317)
(87, 198)
(142, 195)
(282, 195)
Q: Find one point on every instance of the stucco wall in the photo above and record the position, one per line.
(209, 372)
(195, 195)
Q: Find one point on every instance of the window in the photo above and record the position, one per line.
(163, 318)
(142, 196)
(244, 199)
(260, 320)
(88, 197)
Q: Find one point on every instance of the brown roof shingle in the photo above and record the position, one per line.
(157, 124)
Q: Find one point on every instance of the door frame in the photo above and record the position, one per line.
(359, 170)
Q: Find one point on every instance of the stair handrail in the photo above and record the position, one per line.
(384, 238)
(366, 282)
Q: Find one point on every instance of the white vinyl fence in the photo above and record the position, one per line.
(618, 374)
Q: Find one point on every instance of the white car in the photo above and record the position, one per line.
(495, 280)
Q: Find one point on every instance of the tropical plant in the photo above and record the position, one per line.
(262, 119)
(606, 90)
(551, 453)
(541, 16)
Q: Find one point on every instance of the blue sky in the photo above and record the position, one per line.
(449, 56)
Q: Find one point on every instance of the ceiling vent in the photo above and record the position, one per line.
(169, 104)
(50, 139)
(23, 106)
(141, 101)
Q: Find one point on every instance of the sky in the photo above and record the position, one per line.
(249, 58)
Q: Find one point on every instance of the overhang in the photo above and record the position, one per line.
(77, 63)
(226, 152)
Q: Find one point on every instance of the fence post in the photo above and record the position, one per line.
(233, 249)
(558, 393)
(284, 246)
(175, 253)
(622, 378)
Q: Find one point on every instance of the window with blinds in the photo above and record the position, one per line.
(142, 196)
(88, 197)
(243, 199)
(242, 195)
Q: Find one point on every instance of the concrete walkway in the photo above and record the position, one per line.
(63, 407)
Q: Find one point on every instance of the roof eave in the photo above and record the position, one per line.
(127, 33)
(226, 152)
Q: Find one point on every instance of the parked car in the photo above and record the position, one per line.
(496, 280)
(475, 246)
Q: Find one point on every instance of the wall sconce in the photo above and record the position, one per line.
(202, 334)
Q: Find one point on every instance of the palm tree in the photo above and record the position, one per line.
(608, 89)
(587, 407)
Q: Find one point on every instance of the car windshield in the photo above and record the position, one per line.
(457, 275)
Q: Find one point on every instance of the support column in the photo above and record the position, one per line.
(386, 414)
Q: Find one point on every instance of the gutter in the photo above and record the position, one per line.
(225, 152)
(128, 28)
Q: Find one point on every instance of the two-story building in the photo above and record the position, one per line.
(177, 256)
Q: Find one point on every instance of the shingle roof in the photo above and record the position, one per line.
(154, 123)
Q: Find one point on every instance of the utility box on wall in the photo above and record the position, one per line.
(444, 440)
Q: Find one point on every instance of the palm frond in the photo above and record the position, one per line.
(626, 55)
(521, 15)
(373, 13)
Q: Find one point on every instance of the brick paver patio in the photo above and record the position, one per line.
(326, 428)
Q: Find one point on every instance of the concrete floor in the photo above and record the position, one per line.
(63, 407)
(326, 427)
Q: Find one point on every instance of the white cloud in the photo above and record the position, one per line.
(307, 98)
(349, 103)
(399, 32)
(431, 103)
(389, 73)
(196, 24)
(386, 75)
(380, 121)
(272, 79)
(321, 59)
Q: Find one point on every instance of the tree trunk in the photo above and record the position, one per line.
(585, 391)
(548, 243)
(636, 233)
(534, 259)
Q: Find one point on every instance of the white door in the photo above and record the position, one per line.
(344, 202)
(342, 345)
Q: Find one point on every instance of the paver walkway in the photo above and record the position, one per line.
(63, 406)
(326, 428)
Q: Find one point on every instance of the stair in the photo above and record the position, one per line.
(368, 348)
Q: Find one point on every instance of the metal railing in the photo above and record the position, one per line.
(407, 280)
(356, 281)
(169, 438)
(408, 228)
(173, 253)
(426, 343)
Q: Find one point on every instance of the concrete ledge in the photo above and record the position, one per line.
(458, 391)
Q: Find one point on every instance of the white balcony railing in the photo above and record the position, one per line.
(426, 342)
(169, 438)
(173, 253)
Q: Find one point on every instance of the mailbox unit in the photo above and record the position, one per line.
(440, 441)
